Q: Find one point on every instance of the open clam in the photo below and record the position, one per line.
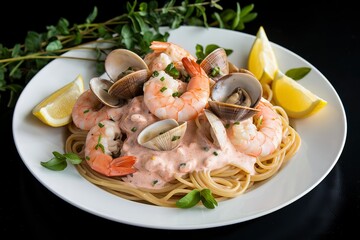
(120, 62)
(100, 87)
(235, 96)
(216, 64)
(127, 74)
(163, 135)
(213, 128)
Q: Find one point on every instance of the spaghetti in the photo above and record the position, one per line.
(225, 182)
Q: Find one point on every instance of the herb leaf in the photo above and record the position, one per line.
(297, 73)
(59, 161)
(73, 158)
(55, 164)
(189, 200)
(195, 196)
(207, 198)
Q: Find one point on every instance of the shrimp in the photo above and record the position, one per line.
(163, 99)
(261, 140)
(165, 53)
(88, 111)
(102, 143)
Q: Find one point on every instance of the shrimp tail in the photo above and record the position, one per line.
(192, 67)
(158, 46)
(122, 166)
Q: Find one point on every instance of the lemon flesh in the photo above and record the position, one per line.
(55, 110)
(262, 61)
(295, 99)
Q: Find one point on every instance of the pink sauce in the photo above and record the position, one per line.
(195, 152)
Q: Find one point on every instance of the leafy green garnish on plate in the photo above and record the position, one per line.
(297, 73)
(195, 196)
(59, 161)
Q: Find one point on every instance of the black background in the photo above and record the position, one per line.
(324, 33)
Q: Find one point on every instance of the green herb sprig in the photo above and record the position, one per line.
(59, 161)
(134, 29)
(195, 196)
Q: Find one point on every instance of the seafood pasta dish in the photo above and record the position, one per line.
(161, 126)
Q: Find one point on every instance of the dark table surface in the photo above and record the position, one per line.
(324, 33)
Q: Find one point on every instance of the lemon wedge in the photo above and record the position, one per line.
(55, 110)
(295, 99)
(262, 61)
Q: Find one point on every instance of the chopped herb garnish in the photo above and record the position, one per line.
(86, 111)
(215, 71)
(236, 123)
(162, 78)
(215, 153)
(176, 94)
(99, 145)
(174, 138)
(227, 125)
(163, 89)
(154, 182)
(100, 125)
(134, 129)
(87, 158)
(172, 71)
(206, 148)
(155, 74)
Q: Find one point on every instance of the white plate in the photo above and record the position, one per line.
(323, 138)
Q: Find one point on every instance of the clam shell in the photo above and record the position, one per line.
(217, 131)
(162, 135)
(130, 85)
(120, 60)
(216, 58)
(225, 86)
(100, 87)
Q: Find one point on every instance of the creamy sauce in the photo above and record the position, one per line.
(196, 152)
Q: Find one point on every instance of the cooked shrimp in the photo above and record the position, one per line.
(88, 111)
(165, 53)
(102, 150)
(164, 100)
(261, 139)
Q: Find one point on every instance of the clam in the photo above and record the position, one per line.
(216, 64)
(235, 96)
(100, 87)
(120, 62)
(213, 128)
(127, 74)
(128, 71)
(162, 135)
(131, 85)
